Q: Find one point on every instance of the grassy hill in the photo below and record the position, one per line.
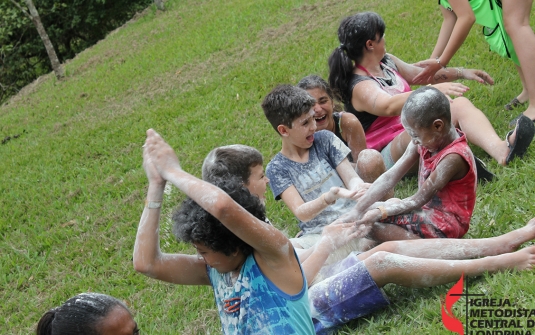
(72, 186)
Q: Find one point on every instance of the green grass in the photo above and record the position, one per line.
(72, 186)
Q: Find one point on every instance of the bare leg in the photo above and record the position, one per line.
(516, 20)
(449, 248)
(387, 268)
(382, 232)
(523, 96)
(478, 129)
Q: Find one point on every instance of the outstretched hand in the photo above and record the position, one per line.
(371, 216)
(158, 156)
(340, 192)
(480, 76)
(430, 68)
(452, 89)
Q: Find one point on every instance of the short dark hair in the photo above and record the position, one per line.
(236, 160)
(81, 314)
(192, 223)
(425, 105)
(285, 103)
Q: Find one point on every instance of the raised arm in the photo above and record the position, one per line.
(148, 258)
(267, 241)
(465, 18)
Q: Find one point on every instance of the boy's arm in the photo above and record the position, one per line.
(332, 237)
(267, 241)
(148, 258)
(351, 179)
(306, 211)
(451, 167)
(383, 184)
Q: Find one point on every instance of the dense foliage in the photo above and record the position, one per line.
(72, 27)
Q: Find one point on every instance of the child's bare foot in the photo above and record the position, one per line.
(524, 258)
(514, 239)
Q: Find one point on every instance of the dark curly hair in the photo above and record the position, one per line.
(192, 223)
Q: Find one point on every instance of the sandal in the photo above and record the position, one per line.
(483, 174)
(525, 130)
(513, 122)
(514, 103)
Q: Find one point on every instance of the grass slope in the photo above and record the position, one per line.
(72, 186)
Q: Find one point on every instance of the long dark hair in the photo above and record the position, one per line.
(353, 33)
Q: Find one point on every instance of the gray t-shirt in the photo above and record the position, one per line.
(313, 178)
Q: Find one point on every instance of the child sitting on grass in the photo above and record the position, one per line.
(351, 288)
(311, 172)
(252, 267)
(443, 204)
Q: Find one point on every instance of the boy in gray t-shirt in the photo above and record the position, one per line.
(312, 170)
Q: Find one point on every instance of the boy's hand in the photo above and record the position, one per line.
(340, 192)
(336, 235)
(337, 193)
(160, 154)
(371, 216)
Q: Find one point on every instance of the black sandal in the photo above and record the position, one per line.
(513, 104)
(525, 130)
(513, 122)
(483, 173)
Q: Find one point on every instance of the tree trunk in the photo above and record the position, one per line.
(34, 16)
(159, 4)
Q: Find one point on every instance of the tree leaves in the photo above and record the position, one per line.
(72, 27)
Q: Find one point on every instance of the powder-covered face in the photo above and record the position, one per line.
(218, 260)
(323, 109)
(428, 138)
(119, 321)
(257, 183)
(302, 132)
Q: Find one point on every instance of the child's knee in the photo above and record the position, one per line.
(370, 165)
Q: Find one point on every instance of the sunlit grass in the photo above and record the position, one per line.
(72, 186)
